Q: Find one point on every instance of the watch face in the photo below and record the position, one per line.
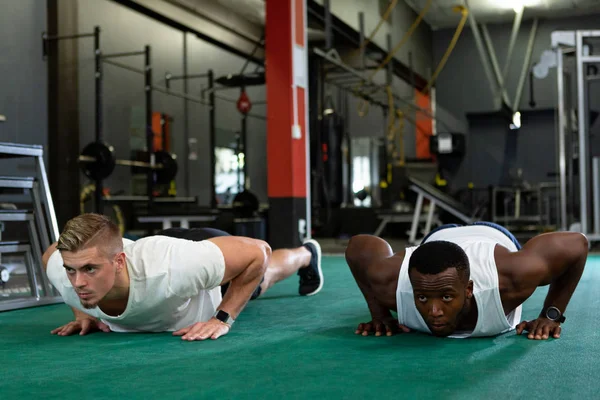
(222, 316)
(552, 313)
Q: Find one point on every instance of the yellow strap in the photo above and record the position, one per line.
(401, 43)
(465, 13)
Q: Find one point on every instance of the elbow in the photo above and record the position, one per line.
(263, 258)
(581, 245)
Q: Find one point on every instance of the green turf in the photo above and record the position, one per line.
(288, 347)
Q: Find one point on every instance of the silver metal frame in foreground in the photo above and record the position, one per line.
(563, 43)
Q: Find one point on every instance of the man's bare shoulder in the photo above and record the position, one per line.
(386, 269)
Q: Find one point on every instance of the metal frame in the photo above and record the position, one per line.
(37, 152)
(563, 43)
(433, 203)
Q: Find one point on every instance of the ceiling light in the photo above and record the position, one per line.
(517, 5)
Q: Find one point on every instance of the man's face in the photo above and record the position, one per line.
(440, 299)
(91, 273)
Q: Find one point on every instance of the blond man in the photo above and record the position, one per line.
(168, 282)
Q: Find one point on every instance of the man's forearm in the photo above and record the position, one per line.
(241, 288)
(375, 307)
(562, 288)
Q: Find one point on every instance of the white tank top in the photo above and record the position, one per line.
(479, 243)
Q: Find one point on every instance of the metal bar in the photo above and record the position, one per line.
(218, 88)
(48, 203)
(186, 110)
(361, 24)
(140, 199)
(99, 113)
(141, 164)
(125, 54)
(430, 215)
(37, 253)
(590, 59)
(17, 304)
(170, 77)
(496, 67)
(513, 39)
(212, 139)
(562, 163)
(416, 218)
(124, 66)
(596, 189)
(594, 33)
(151, 175)
(389, 70)
(9, 182)
(582, 136)
(39, 217)
(77, 36)
(244, 133)
(441, 204)
(232, 100)
(526, 64)
(481, 50)
(31, 275)
(328, 33)
(21, 150)
(181, 95)
(594, 164)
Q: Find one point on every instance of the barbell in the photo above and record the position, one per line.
(97, 161)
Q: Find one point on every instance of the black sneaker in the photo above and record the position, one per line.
(311, 277)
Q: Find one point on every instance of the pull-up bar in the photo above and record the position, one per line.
(124, 54)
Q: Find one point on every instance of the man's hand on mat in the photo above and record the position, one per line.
(540, 329)
(213, 329)
(83, 326)
(383, 326)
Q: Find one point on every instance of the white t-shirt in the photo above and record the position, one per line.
(479, 243)
(174, 283)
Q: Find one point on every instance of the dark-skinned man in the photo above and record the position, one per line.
(467, 281)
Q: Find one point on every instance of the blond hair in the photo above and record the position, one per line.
(88, 230)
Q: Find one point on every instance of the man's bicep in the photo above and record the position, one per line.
(239, 253)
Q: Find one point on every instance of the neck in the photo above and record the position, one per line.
(115, 301)
(469, 315)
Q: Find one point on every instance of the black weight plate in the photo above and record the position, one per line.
(104, 164)
(169, 170)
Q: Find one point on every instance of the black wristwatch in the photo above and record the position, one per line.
(554, 314)
(224, 317)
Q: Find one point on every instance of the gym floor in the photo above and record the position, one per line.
(291, 347)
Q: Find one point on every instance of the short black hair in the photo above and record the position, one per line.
(437, 256)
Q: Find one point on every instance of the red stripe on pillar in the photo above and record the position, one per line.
(299, 22)
(278, 44)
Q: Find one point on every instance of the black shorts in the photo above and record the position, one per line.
(197, 235)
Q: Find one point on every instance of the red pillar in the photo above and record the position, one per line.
(287, 122)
